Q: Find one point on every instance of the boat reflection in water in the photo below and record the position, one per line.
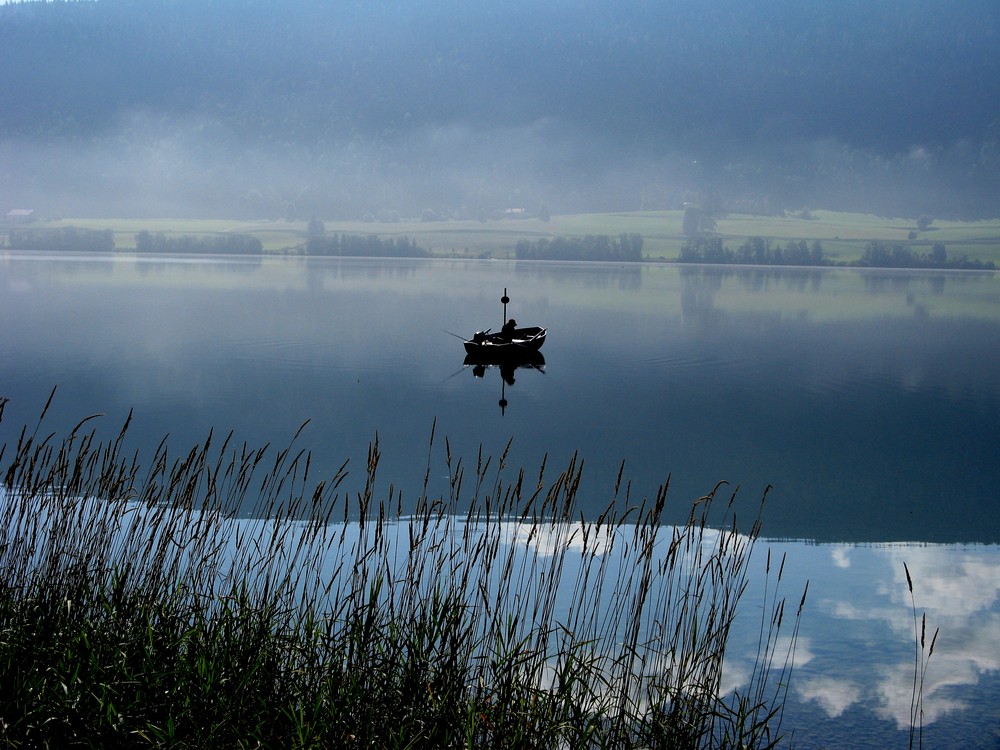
(508, 362)
(511, 348)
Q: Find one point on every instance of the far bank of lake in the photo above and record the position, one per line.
(843, 235)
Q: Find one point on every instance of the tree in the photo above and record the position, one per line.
(923, 222)
(939, 256)
(696, 221)
(315, 229)
(816, 253)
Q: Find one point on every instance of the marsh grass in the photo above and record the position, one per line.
(922, 652)
(146, 607)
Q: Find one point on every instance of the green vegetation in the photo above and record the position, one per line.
(137, 610)
(232, 244)
(756, 251)
(760, 251)
(369, 246)
(601, 247)
(844, 237)
(63, 238)
(897, 255)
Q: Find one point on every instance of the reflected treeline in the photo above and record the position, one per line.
(316, 273)
(759, 278)
(68, 264)
(626, 277)
(896, 283)
(242, 264)
(103, 269)
(700, 283)
(320, 271)
(698, 296)
(762, 278)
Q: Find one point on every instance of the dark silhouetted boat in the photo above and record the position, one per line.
(509, 343)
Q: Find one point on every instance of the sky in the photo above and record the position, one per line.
(157, 107)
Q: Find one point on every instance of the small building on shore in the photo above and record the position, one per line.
(21, 215)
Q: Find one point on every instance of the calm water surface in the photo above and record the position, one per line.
(869, 401)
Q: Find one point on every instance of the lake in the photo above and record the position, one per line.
(868, 401)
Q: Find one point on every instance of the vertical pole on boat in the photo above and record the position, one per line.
(505, 299)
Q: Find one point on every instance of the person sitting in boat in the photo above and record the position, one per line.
(508, 329)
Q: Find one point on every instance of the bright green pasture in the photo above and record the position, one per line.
(843, 235)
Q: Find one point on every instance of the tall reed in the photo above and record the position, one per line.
(226, 597)
(922, 652)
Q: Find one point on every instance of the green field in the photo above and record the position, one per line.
(843, 235)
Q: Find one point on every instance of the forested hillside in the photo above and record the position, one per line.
(258, 106)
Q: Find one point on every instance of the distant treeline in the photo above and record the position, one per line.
(63, 238)
(231, 244)
(624, 247)
(756, 251)
(370, 246)
(761, 251)
(897, 255)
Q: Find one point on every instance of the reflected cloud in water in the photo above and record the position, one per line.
(857, 650)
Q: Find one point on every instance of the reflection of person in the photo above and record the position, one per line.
(508, 329)
(507, 373)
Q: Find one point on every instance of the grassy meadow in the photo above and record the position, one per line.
(843, 235)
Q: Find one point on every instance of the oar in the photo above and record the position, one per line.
(457, 372)
(528, 340)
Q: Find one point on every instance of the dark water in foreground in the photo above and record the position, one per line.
(870, 401)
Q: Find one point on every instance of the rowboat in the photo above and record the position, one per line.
(510, 342)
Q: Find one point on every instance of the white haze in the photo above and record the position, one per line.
(300, 109)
